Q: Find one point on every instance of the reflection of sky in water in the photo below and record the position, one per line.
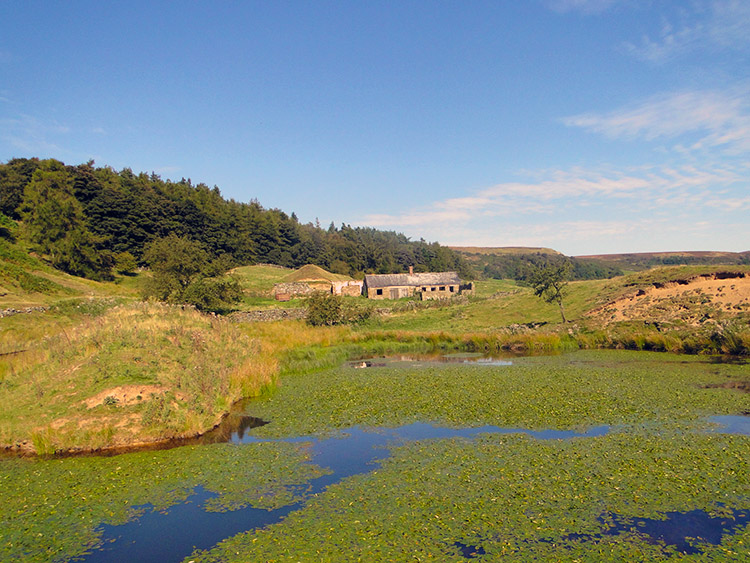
(172, 534)
(732, 424)
(684, 531)
(412, 361)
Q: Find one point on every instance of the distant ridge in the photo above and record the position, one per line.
(643, 260)
(498, 250)
(693, 253)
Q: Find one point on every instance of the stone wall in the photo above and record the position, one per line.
(22, 311)
(268, 315)
(351, 288)
(293, 289)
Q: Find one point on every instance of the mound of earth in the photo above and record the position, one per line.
(312, 273)
(693, 300)
(125, 395)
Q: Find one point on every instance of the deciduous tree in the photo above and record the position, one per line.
(549, 283)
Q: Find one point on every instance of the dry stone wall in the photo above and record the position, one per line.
(23, 311)
(268, 315)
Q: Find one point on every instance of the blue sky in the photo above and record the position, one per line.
(588, 126)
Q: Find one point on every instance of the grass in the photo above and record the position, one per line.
(257, 284)
(196, 366)
(258, 281)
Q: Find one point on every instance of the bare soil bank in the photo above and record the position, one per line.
(689, 300)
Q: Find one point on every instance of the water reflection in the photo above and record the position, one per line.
(411, 361)
(732, 424)
(684, 531)
(173, 534)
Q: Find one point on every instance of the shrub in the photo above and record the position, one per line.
(125, 263)
(213, 294)
(324, 309)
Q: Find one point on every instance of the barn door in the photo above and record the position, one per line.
(394, 293)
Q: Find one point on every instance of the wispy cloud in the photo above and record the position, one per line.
(584, 6)
(642, 189)
(33, 136)
(167, 169)
(704, 24)
(721, 119)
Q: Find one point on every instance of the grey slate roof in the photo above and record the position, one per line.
(412, 280)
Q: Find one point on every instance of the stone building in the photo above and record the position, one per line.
(430, 285)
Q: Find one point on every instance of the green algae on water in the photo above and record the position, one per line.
(51, 508)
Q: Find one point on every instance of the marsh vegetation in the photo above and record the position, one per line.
(432, 486)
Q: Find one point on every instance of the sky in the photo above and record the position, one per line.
(587, 126)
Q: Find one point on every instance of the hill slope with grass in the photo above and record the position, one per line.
(500, 250)
(94, 367)
(28, 281)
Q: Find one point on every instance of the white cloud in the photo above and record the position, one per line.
(729, 203)
(712, 24)
(720, 119)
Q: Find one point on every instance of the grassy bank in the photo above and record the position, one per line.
(136, 372)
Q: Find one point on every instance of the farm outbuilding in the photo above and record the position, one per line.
(309, 279)
(429, 285)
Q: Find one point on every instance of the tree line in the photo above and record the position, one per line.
(522, 267)
(90, 221)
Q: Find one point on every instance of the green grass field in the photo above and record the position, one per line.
(97, 335)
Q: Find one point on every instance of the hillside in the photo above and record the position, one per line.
(27, 281)
(692, 299)
(645, 260)
(86, 220)
(517, 263)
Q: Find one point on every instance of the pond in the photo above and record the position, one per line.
(632, 455)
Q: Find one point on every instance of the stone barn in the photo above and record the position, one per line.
(430, 285)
